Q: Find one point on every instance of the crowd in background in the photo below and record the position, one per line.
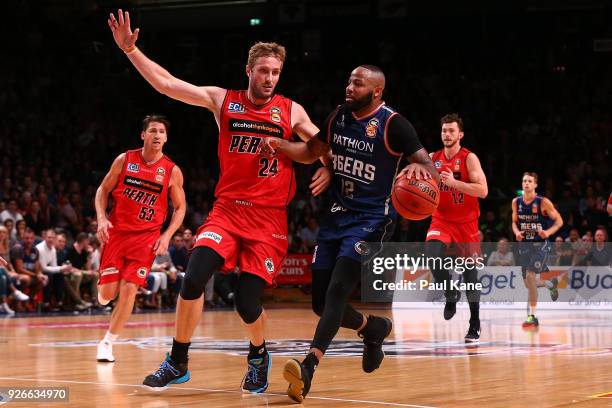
(529, 103)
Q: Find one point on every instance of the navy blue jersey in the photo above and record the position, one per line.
(365, 164)
(530, 218)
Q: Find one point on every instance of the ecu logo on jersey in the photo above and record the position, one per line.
(235, 107)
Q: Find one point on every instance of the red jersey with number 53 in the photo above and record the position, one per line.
(246, 175)
(140, 199)
(454, 205)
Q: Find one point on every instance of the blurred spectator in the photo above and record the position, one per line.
(491, 228)
(502, 256)
(24, 257)
(178, 252)
(11, 212)
(20, 229)
(561, 254)
(60, 248)
(34, 218)
(161, 270)
(599, 254)
(9, 224)
(8, 277)
(582, 250)
(55, 274)
(80, 260)
(188, 239)
(309, 234)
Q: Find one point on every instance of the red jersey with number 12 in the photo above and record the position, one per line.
(140, 199)
(247, 176)
(454, 205)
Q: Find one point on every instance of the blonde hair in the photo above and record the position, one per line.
(266, 49)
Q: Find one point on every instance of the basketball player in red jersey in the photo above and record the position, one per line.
(247, 226)
(462, 183)
(140, 182)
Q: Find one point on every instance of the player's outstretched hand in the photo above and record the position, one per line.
(122, 33)
(161, 245)
(270, 145)
(416, 170)
(520, 236)
(103, 226)
(3, 262)
(320, 181)
(543, 234)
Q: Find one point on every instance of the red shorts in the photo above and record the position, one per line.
(250, 237)
(127, 256)
(456, 233)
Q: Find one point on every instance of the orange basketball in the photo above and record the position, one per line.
(415, 199)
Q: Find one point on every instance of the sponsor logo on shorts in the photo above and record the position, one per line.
(242, 202)
(141, 272)
(337, 207)
(433, 233)
(269, 265)
(210, 235)
(279, 236)
(362, 248)
(133, 167)
(108, 271)
(314, 254)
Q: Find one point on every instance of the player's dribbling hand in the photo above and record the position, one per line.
(122, 33)
(161, 245)
(102, 233)
(320, 181)
(520, 236)
(270, 145)
(416, 170)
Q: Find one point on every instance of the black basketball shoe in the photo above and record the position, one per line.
(473, 334)
(168, 373)
(450, 308)
(256, 378)
(299, 380)
(373, 334)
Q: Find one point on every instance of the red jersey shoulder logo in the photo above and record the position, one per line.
(372, 127)
(275, 114)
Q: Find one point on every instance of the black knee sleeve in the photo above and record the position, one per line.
(203, 263)
(248, 297)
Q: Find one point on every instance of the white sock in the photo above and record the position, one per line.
(109, 337)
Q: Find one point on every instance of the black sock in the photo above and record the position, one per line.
(257, 351)
(474, 312)
(179, 352)
(310, 363)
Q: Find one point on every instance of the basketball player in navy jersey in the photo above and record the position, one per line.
(534, 221)
(368, 142)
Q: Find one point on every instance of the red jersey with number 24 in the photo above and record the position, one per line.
(455, 206)
(140, 199)
(247, 176)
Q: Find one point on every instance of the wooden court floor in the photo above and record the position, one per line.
(564, 364)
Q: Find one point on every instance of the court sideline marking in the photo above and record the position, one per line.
(392, 404)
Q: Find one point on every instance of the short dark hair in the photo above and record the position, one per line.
(155, 118)
(29, 230)
(531, 174)
(81, 236)
(452, 117)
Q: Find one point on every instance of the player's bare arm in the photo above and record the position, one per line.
(209, 97)
(477, 186)
(101, 201)
(3, 262)
(549, 210)
(420, 167)
(177, 195)
(518, 234)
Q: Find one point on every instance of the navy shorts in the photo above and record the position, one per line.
(533, 256)
(346, 233)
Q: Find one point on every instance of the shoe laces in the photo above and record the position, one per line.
(253, 370)
(164, 368)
